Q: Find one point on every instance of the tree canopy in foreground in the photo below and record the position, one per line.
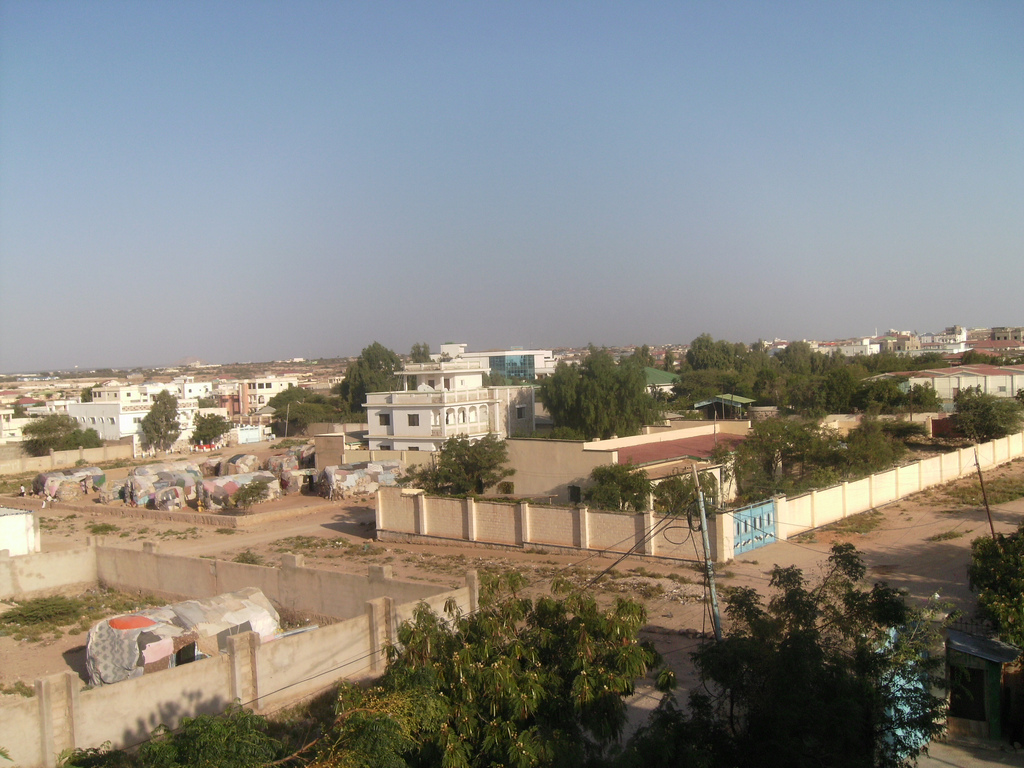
(823, 674)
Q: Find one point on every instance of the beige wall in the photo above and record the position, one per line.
(546, 468)
(46, 573)
(414, 516)
(827, 505)
(65, 459)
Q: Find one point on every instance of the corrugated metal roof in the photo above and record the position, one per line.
(982, 647)
(699, 447)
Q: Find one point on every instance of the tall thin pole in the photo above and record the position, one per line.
(709, 567)
(981, 479)
(287, 415)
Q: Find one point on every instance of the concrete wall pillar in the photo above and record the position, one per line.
(56, 695)
(469, 517)
(722, 536)
(420, 505)
(377, 614)
(582, 515)
(814, 509)
(242, 656)
(782, 527)
(523, 523)
(647, 526)
(846, 504)
(473, 583)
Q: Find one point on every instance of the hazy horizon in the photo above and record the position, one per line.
(239, 181)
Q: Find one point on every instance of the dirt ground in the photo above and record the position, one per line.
(921, 545)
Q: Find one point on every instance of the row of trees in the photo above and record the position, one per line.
(827, 672)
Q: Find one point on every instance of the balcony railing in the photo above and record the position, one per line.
(444, 397)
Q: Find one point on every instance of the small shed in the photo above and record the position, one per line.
(19, 531)
(980, 695)
(724, 406)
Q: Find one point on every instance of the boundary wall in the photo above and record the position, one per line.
(66, 459)
(827, 505)
(411, 515)
(263, 676)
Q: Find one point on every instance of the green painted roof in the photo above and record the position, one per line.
(734, 400)
(657, 377)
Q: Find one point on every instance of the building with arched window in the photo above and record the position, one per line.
(444, 399)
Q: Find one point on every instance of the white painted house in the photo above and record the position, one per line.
(444, 399)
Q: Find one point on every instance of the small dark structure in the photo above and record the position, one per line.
(724, 406)
(984, 693)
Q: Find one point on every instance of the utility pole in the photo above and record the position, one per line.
(981, 479)
(287, 414)
(709, 567)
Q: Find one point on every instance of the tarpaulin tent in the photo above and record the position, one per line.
(169, 499)
(128, 646)
(49, 482)
(281, 462)
(292, 480)
(239, 464)
(145, 487)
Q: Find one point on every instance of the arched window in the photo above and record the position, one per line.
(462, 415)
(472, 414)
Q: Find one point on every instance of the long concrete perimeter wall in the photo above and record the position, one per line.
(64, 459)
(404, 515)
(261, 675)
(817, 508)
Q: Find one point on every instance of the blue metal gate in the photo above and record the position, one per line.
(754, 526)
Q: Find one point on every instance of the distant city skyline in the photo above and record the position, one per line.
(434, 348)
(246, 181)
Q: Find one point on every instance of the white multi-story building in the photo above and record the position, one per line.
(524, 364)
(117, 411)
(442, 400)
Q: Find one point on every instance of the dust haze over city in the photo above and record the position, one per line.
(262, 181)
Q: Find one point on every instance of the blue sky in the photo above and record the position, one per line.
(251, 181)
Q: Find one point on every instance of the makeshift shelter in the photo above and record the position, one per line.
(239, 464)
(128, 646)
(218, 492)
(48, 483)
(292, 480)
(146, 486)
(281, 462)
(985, 697)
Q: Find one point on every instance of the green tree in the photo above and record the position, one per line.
(210, 428)
(996, 573)
(783, 456)
(160, 427)
(86, 395)
(705, 353)
(296, 408)
(375, 370)
(983, 417)
(420, 353)
(825, 674)
(461, 467)
(251, 493)
(208, 402)
(599, 398)
(618, 486)
(670, 361)
(838, 390)
(235, 739)
(518, 683)
(642, 356)
(676, 495)
(58, 432)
